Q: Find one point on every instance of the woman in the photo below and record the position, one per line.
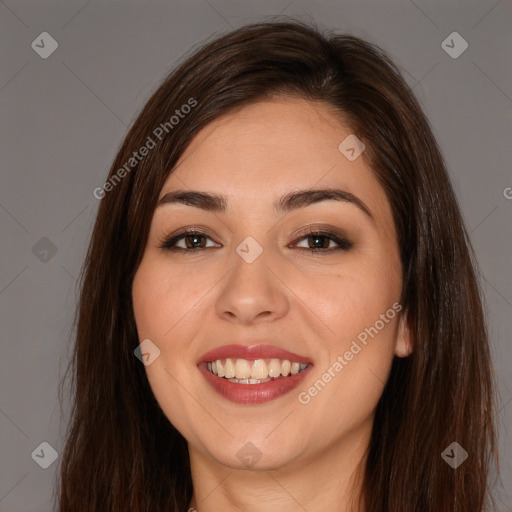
(279, 306)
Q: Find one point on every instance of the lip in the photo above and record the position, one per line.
(252, 393)
(251, 352)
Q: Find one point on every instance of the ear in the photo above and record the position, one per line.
(404, 341)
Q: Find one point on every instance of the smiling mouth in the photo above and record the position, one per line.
(254, 371)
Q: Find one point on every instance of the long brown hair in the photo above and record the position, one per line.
(122, 454)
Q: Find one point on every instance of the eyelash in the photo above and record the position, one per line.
(168, 243)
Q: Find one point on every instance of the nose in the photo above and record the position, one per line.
(252, 292)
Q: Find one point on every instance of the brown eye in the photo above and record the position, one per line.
(320, 241)
(193, 240)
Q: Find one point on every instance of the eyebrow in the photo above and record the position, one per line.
(291, 201)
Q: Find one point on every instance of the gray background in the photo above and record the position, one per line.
(64, 117)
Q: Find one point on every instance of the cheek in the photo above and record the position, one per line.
(349, 381)
(163, 306)
(161, 299)
(351, 298)
(359, 305)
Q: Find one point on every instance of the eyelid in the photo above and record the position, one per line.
(320, 230)
(165, 241)
(335, 235)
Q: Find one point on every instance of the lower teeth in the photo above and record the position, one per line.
(249, 381)
(255, 381)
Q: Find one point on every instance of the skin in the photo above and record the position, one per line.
(311, 304)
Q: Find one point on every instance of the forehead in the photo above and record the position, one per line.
(264, 150)
(259, 137)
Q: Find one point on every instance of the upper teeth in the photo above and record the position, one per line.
(254, 369)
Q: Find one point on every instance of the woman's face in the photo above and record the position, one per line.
(262, 293)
